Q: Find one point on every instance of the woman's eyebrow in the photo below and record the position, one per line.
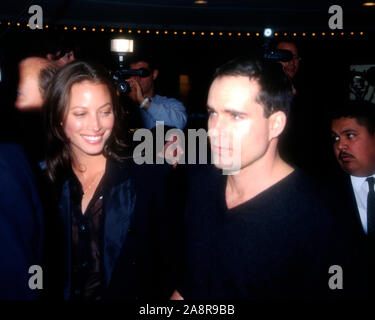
(104, 105)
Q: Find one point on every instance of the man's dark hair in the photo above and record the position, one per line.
(362, 111)
(45, 77)
(275, 88)
(58, 46)
(142, 56)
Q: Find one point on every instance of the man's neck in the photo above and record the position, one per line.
(254, 179)
(149, 94)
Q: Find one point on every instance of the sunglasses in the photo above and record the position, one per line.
(141, 72)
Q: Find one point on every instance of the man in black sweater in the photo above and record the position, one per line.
(263, 229)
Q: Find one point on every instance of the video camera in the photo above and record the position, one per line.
(119, 77)
(278, 55)
(361, 81)
(271, 54)
(122, 47)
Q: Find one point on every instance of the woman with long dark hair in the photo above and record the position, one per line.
(111, 209)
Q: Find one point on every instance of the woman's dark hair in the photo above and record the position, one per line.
(57, 98)
(275, 92)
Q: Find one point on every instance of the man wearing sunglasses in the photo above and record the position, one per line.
(153, 107)
(290, 67)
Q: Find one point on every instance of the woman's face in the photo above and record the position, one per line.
(89, 118)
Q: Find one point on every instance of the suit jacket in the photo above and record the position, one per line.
(347, 205)
(347, 211)
(350, 203)
(136, 229)
(21, 225)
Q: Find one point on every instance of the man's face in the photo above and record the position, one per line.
(234, 113)
(62, 61)
(290, 67)
(146, 83)
(66, 58)
(354, 147)
(28, 92)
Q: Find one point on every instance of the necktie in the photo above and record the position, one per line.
(371, 209)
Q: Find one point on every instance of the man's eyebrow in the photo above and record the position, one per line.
(230, 111)
(348, 130)
(343, 132)
(233, 111)
(335, 134)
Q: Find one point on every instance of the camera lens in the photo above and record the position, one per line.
(123, 87)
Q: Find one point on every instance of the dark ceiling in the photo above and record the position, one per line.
(184, 14)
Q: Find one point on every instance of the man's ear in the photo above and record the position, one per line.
(277, 122)
(155, 74)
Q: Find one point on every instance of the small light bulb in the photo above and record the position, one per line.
(267, 32)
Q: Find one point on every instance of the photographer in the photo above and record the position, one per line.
(153, 107)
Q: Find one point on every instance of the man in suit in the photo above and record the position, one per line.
(21, 227)
(353, 133)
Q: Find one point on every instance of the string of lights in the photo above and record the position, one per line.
(185, 33)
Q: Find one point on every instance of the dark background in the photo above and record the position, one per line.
(325, 59)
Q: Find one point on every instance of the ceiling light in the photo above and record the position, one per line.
(368, 4)
(200, 2)
(268, 32)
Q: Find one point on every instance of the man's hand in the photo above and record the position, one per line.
(171, 154)
(176, 296)
(135, 93)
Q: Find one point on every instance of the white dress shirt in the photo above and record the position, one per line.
(360, 187)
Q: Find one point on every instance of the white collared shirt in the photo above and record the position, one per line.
(361, 189)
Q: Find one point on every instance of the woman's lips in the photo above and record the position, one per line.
(93, 139)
